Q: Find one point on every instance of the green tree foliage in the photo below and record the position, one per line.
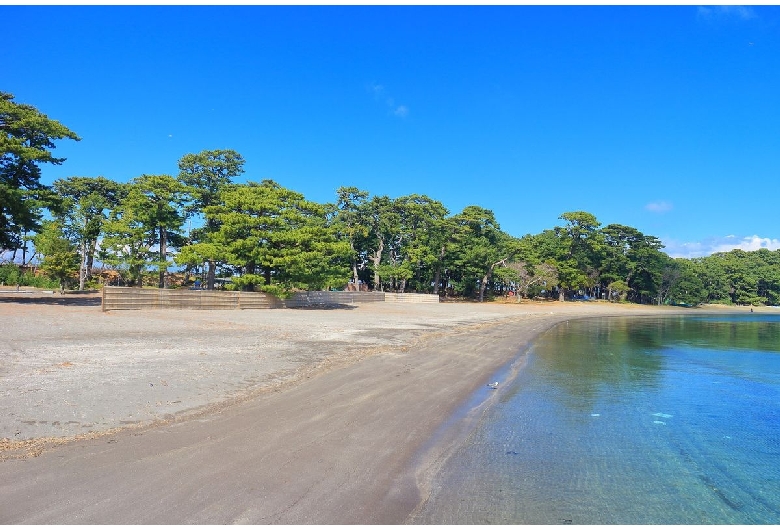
(144, 226)
(618, 290)
(277, 240)
(530, 277)
(162, 199)
(767, 269)
(740, 277)
(127, 245)
(26, 141)
(400, 241)
(85, 205)
(550, 248)
(205, 174)
(12, 274)
(382, 222)
(636, 259)
(352, 224)
(612, 262)
(578, 252)
(273, 239)
(480, 250)
(60, 260)
(422, 238)
(685, 285)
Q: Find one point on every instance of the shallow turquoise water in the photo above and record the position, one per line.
(670, 420)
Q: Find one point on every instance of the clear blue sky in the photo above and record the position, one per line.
(662, 118)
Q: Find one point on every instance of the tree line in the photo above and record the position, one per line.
(263, 236)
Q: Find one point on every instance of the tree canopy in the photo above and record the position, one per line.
(26, 140)
(261, 235)
(264, 236)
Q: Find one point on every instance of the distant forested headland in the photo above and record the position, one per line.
(200, 227)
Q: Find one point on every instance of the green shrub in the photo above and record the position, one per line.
(11, 274)
(276, 290)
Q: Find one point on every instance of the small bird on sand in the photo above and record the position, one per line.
(493, 385)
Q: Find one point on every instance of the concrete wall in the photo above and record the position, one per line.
(331, 298)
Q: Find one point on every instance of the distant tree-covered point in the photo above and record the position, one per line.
(201, 229)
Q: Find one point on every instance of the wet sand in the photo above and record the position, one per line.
(268, 416)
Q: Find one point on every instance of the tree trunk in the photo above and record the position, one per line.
(483, 286)
(437, 276)
(355, 278)
(210, 275)
(212, 271)
(82, 268)
(91, 249)
(163, 252)
(250, 268)
(376, 259)
(486, 278)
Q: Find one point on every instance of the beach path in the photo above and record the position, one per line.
(344, 445)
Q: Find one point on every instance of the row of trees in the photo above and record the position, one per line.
(618, 261)
(264, 236)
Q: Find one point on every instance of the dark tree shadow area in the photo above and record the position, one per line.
(85, 301)
(96, 301)
(325, 306)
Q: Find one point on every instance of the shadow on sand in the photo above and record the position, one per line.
(13, 297)
(84, 301)
(325, 306)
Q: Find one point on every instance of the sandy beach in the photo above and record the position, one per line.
(260, 416)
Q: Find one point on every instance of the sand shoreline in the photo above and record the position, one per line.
(332, 428)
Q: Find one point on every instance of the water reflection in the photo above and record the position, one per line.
(631, 353)
(588, 361)
(736, 332)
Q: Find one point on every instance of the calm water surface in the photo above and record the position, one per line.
(671, 420)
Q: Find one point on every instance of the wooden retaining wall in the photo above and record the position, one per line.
(412, 298)
(134, 298)
(118, 298)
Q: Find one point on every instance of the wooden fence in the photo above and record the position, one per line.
(117, 298)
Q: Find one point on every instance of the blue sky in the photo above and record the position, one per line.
(664, 118)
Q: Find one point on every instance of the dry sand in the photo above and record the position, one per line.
(261, 416)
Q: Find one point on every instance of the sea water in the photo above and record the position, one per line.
(672, 420)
